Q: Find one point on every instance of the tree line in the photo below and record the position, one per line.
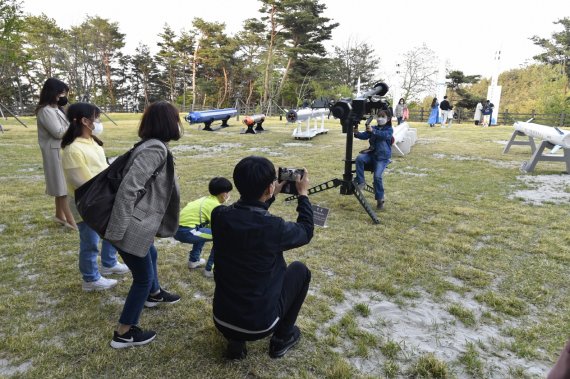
(278, 58)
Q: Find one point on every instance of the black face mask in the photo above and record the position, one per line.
(62, 101)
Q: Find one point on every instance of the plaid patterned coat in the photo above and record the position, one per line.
(133, 225)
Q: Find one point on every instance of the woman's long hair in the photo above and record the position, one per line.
(75, 113)
(48, 95)
(434, 102)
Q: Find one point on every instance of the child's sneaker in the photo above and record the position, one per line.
(119, 268)
(199, 263)
(161, 297)
(99, 285)
(134, 337)
(208, 273)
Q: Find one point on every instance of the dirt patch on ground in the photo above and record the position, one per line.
(425, 326)
(544, 189)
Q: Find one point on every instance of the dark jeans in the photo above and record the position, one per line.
(295, 287)
(186, 235)
(145, 282)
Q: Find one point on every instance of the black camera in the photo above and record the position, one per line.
(351, 112)
(289, 176)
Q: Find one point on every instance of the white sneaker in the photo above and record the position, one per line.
(197, 264)
(119, 268)
(99, 285)
(208, 273)
(361, 186)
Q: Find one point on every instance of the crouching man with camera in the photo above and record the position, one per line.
(256, 293)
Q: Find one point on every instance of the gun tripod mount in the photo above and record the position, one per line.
(350, 113)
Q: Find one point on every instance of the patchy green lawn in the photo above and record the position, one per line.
(466, 276)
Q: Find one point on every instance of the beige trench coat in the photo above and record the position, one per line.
(52, 125)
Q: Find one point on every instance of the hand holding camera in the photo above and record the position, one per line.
(302, 184)
(294, 180)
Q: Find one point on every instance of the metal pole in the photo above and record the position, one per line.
(106, 115)
(13, 115)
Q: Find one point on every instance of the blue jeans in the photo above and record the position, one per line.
(184, 234)
(89, 250)
(379, 167)
(145, 282)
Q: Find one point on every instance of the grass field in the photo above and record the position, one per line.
(466, 275)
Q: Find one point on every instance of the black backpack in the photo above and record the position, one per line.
(95, 198)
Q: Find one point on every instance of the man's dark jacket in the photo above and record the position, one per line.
(248, 261)
(445, 106)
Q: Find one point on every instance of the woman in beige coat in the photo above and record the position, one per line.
(52, 125)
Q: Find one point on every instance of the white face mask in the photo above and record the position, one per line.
(382, 120)
(97, 128)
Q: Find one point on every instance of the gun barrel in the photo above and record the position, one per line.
(379, 88)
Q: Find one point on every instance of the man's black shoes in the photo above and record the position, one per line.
(236, 350)
(279, 347)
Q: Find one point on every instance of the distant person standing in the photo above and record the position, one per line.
(399, 111)
(52, 125)
(487, 113)
(446, 109)
(434, 113)
(478, 113)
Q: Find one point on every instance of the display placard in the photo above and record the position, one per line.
(320, 215)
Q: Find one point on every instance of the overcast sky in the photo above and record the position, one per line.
(464, 34)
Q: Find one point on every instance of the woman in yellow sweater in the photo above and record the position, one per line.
(83, 158)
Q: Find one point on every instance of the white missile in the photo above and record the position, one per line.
(554, 135)
(400, 132)
(404, 138)
(304, 114)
